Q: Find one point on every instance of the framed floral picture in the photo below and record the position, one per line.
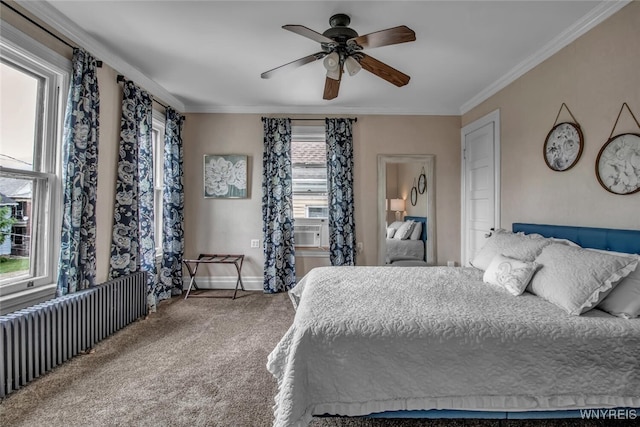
(563, 146)
(225, 176)
(618, 164)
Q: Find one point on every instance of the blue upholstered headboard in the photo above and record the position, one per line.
(610, 239)
(421, 219)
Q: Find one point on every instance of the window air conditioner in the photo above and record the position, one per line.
(307, 235)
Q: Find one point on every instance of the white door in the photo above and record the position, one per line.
(480, 183)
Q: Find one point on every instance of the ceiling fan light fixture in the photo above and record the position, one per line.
(342, 49)
(333, 74)
(332, 61)
(352, 65)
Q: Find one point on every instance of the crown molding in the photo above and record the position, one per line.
(329, 110)
(17, 42)
(598, 14)
(60, 23)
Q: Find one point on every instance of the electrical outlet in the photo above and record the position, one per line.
(359, 246)
(255, 243)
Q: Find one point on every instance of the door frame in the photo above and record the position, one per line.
(493, 117)
(428, 160)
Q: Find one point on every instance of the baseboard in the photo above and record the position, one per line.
(251, 283)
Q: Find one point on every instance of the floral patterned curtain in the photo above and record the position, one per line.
(277, 207)
(133, 244)
(342, 233)
(77, 262)
(172, 209)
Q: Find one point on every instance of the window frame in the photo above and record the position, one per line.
(310, 134)
(23, 52)
(309, 207)
(158, 125)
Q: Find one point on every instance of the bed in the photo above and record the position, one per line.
(439, 342)
(410, 250)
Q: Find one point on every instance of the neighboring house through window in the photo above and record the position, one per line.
(34, 83)
(309, 179)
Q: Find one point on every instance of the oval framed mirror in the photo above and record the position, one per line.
(414, 194)
(422, 182)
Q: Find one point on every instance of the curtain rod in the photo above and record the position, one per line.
(355, 119)
(120, 78)
(98, 63)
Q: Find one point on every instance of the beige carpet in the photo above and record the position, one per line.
(199, 362)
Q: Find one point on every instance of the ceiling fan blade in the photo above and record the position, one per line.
(331, 87)
(294, 64)
(383, 70)
(395, 35)
(310, 34)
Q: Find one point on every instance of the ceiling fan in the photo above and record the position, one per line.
(342, 47)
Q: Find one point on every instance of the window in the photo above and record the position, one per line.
(309, 180)
(157, 136)
(317, 211)
(32, 78)
(309, 172)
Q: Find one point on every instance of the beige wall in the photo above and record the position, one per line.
(229, 225)
(437, 135)
(391, 188)
(109, 143)
(408, 174)
(593, 75)
(223, 225)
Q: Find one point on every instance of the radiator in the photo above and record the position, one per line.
(39, 338)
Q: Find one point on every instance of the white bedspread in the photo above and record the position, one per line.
(374, 339)
(404, 249)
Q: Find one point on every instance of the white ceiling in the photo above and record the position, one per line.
(207, 56)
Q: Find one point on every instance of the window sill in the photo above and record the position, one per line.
(303, 251)
(19, 300)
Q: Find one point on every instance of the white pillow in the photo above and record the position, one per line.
(390, 232)
(416, 234)
(514, 245)
(624, 299)
(404, 232)
(577, 279)
(512, 274)
(396, 224)
(564, 241)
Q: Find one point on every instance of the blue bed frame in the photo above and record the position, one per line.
(610, 239)
(617, 240)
